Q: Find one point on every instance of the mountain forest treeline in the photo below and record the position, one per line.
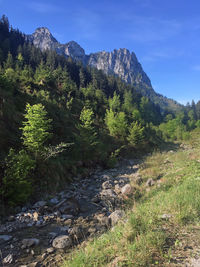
(58, 119)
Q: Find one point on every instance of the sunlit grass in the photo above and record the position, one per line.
(144, 239)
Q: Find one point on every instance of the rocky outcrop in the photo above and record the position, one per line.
(119, 62)
(43, 39)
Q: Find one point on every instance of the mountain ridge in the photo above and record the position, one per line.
(119, 62)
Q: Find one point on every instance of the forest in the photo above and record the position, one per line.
(59, 119)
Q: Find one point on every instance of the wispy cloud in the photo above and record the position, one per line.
(44, 8)
(149, 29)
(196, 67)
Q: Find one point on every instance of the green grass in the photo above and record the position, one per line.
(146, 239)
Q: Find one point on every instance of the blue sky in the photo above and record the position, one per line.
(165, 35)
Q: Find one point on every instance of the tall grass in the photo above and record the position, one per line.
(143, 240)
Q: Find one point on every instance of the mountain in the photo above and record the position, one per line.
(120, 62)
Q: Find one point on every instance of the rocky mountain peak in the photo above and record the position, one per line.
(120, 62)
(74, 50)
(43, 39)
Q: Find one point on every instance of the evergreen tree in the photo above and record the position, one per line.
(36, 128)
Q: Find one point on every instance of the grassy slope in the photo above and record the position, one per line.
(147, 239)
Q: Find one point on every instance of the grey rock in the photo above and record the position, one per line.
(150, 182)
(29, 242)
(116, 216)
(139, 180)
(108, 193)
(166, 216)
(62, 241)
(40, 204)
(5, 237)
(54, 200)
(127, 190)
(107, 185)
(50, 250)
(8, 259)
(67, 216)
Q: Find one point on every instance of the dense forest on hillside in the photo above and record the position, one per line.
(58, 119)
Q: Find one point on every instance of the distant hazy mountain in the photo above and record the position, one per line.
(119, 62)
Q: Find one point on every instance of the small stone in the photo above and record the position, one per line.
(150, 182)
(108, 193)
(8, 259)
(68, 222)
(40, 204)
(67, 216)
(44, 255)
(107, 185)
(54, 200)
(139, 180)
(62, 241)
(50, 250)
(32, 252)
(127, 190)
(35, 216)
(5, 237)
(116, 216)
(27, 243)
(166, 216)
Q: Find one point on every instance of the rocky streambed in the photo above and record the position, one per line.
(40, 235)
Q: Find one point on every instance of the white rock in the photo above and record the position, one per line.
(127, 190)
(8, 259)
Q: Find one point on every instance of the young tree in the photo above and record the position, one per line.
(116, 123)
(136, 134)
(36, 128)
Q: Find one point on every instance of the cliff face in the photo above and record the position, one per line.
(119, 62)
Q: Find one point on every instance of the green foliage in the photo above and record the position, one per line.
(114, 103)
(86, 139)
(36, 127)
(116, 123)
(87, 118)
(17, 182)
(136, 134)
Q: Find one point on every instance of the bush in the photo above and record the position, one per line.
(17, 183)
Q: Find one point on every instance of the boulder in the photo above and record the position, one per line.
(116, 216)
(62, 241)
(127, 190)
(30, 242)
